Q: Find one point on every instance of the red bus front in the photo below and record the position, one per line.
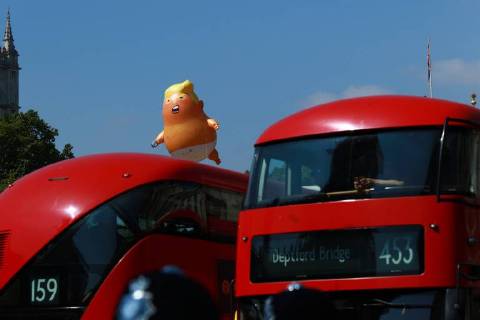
(374, 200)
(73, 234)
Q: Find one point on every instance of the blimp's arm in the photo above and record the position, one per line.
(158, 140)
(213, 123)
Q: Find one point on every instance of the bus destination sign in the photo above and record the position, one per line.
(347, 253)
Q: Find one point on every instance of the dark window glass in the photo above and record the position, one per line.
(473, 304)
(178, 207)
(70, 269)
(86, 253)
(461, 161)
(368, 165)
(223, 204)
(373, 305)
(422, 305)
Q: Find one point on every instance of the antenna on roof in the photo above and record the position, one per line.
(429, 68)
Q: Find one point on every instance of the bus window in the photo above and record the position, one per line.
(397, 162)
(166, 205)
(274, 181)
(393, 163)
(380, 305)
(424, 302)
(180, 207)
(460, 162)
(223, 204)
(222, 207)
(392, 305)
(68, 270)
(100, 227)
(473, 304)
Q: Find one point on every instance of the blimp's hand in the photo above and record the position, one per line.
(213, 124)
(158, 140)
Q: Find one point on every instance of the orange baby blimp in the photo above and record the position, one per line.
(188, 132)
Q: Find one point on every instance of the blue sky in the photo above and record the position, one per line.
(97, 70)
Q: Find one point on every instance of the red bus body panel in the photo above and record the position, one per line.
(455, 222)
(367, 113)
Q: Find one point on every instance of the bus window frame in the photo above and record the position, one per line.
(439, 194)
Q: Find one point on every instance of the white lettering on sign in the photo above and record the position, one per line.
(295, 255)
(43, 290)
(397, 251)
(336, 254)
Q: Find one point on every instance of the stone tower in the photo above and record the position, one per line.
(9, 70)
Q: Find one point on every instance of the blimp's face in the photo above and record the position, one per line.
(180, 106)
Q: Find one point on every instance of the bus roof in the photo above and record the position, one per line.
(375, 112)
(39, 206)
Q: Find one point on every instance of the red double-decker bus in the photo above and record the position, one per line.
(74, 233)
(374, 200)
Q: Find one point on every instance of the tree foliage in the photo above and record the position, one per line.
(27, 143)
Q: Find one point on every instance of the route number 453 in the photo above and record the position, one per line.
(44, 290)
(397, 251)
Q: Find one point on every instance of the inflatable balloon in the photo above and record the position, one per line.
(188, 132)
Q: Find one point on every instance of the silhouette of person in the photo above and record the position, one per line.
(298, 302)
(166, 294)
(356, 165)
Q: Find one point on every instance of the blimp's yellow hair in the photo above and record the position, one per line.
(182, 87)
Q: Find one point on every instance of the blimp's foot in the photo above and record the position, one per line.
(214, 156)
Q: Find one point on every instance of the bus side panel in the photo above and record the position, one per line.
(200, 259)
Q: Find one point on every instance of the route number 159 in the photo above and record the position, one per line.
(44, 290)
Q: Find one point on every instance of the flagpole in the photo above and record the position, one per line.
(429, 69)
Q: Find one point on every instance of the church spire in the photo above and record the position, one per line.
(8, 45)
(9, 72)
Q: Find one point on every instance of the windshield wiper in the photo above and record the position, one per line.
(280, 201)
(382, 303)
(320, 196)
(267, 203)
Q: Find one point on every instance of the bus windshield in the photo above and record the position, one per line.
(374, 305)
(391, 163)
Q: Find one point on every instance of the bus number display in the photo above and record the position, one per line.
(346, 253)
(394, 253)
(44, 290)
